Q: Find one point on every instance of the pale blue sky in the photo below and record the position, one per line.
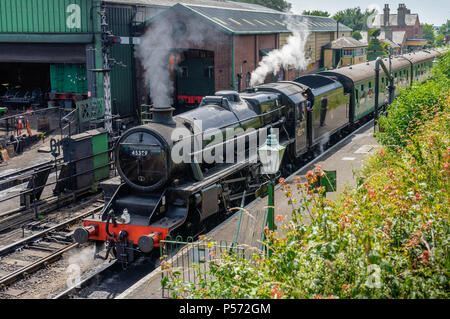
(430, 11)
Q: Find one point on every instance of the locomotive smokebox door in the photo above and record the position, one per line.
(210, 200)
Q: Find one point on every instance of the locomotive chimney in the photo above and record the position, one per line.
(163, 115)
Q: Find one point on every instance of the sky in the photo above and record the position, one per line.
(430, 11)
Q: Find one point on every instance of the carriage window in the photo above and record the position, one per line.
(370, 85)
(362, 87)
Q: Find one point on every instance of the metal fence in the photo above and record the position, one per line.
(45, 176)
(186, 263)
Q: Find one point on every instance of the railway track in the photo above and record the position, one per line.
(19, 259)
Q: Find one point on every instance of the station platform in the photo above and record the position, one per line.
(344, 157)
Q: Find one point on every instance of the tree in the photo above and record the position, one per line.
(317, 13)
(375, 49)
(445, 28)
(356, 35)
(280, 5)
(428, 33)
(354, 18)
(440, 40)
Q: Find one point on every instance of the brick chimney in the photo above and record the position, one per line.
(386, 15)
(401, 14)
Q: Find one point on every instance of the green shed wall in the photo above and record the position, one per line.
(44, 16)
(122, 78)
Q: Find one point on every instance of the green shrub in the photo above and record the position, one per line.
(416, 105)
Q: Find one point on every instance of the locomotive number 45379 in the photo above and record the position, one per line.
(139, 152)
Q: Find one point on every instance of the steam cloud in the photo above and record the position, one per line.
(155, 49)
(153, 53)
(292, 54)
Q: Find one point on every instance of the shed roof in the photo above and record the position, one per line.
(345, 42)
(243, 21)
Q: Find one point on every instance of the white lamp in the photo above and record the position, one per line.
(271, 154)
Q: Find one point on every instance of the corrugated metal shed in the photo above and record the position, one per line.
(239, 21)
(45, 16)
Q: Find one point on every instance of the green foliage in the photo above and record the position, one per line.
(374, 49)
(375, 33)
(354, 18)
(440, 40)
(416, 105)
(317, 13)
(445, 28)
(280, 5)
(356, 35)
(428, 33)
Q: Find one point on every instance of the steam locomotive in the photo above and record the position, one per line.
(158, 196)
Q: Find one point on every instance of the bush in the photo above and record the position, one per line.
(416, 105)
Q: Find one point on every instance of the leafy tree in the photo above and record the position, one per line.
(440, 40)
(375, 49)
(445, 28)
(280, 5)
(317, 13)
(356, 35)
(375, 33)
(428, 33)
(354, 18)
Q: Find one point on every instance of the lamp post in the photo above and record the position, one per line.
(271, 155)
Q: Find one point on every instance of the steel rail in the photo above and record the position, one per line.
(12, 247)
(34, 266)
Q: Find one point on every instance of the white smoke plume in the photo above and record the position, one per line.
(154, 52)
(292, 54)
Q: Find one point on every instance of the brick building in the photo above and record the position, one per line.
(400, 25)
(234, 42)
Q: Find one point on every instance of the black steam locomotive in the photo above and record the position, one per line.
(158, 195)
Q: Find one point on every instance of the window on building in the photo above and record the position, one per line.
(348, 53)
(209, 72)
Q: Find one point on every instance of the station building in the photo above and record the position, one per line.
(402, 28)
(344, 51)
